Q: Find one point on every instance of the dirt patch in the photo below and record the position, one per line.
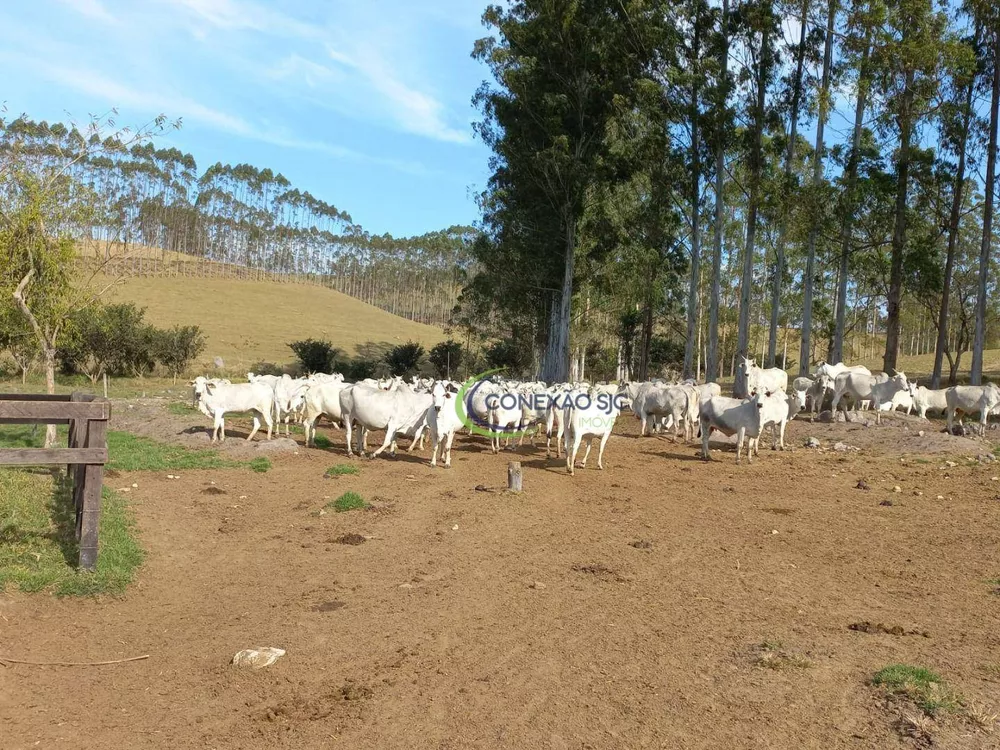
(354, 539)
(213, 490)
(878, 627)
(779, 511)
(486, 636)
(642, 544)
(330, 606)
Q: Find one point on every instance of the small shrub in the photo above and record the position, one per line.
(261, 464)
(341, 470)
(404, 359)
(348, 501)
(359, 368)
(266, 368)
(446, 357)
(322, 441)
(922, 686)
(177, 347)
(315, 355)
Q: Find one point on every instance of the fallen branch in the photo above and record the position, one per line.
(5, 660)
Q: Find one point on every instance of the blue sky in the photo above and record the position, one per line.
(365, 103)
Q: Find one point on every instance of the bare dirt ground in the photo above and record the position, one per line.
(615, 609)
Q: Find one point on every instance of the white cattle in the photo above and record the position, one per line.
(779, 409)
(832, 371)
(708, 390)
(901, 400)
(760, 380)
(971, 399)
(216, 400)
(590, 418)
(289, 394)
(322, 400)
(862, 387)
(443, 420)
(504, 414)
(555, 416)
(662, 401)
(731, 416)
(399, 410)
(925, 398)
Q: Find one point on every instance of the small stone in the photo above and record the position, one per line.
(886, 502)
(862, 485)
(322, 512)
(940, 497)
(134, 486)
(536, 585)
(897, 488)
(812, 443)
(124, 489)
(950, 464)
(920, 433)
(406, 585)
(774, 531)
(455, 527)
(918, 493)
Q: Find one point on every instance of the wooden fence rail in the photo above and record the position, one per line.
(85, 456)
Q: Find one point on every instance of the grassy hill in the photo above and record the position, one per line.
(251, 321)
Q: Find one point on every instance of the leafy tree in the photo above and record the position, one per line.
(177, 347)
(315, 355)
(404, 359)
(446, 357)
(18, 340)
(109, 339)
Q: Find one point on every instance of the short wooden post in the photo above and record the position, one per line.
(514, 476)
(90, 512)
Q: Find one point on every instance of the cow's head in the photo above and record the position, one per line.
(441, 395)
(747, 365)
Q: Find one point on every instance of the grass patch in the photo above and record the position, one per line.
(342, 470)
(179, 409)
(322, 441)
(261, 464)
(347, 501)
(923, 687)
(774, 655)
(129, 452)
(38, 549)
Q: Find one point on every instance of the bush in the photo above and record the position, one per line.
(355, 370)
(446, 357)
(177, 347)
(507, 354)
(315, 355)
(111, 339)
(664, 353)
(404, 359)
(266, 368)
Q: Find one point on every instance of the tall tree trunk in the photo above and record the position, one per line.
(893, 325)
(836, 352)
(556, 365)
(712, 364)
(953, 223)
(786, 189)
(756, 147)
(805, 347)
(979, 342)
(692, 307)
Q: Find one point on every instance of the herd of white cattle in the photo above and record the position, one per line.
(505, 410)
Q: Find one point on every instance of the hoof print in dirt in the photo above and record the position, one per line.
(600, 571)
(353, 539)
(330, 606)
(642, 544)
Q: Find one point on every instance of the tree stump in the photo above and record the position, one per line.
(514, 476)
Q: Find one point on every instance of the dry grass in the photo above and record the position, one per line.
(774, 655)
(253, 321)
(983, 719)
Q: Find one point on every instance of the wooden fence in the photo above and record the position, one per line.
(85, 455)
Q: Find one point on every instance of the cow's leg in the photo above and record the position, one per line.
(586, 453)
(269, 421)
(348, 428)
(389, 440)
(740, 434)
(706, 431)
(600, 451)
(571, 453)
(435, 439)
(256, 426)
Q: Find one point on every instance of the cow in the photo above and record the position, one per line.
(769, 380)
(971, 399)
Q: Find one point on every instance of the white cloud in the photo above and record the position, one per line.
(116, 94)
(92, 9)
(370, 59)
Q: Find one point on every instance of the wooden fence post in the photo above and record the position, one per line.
(93, 482)
(514, 476)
